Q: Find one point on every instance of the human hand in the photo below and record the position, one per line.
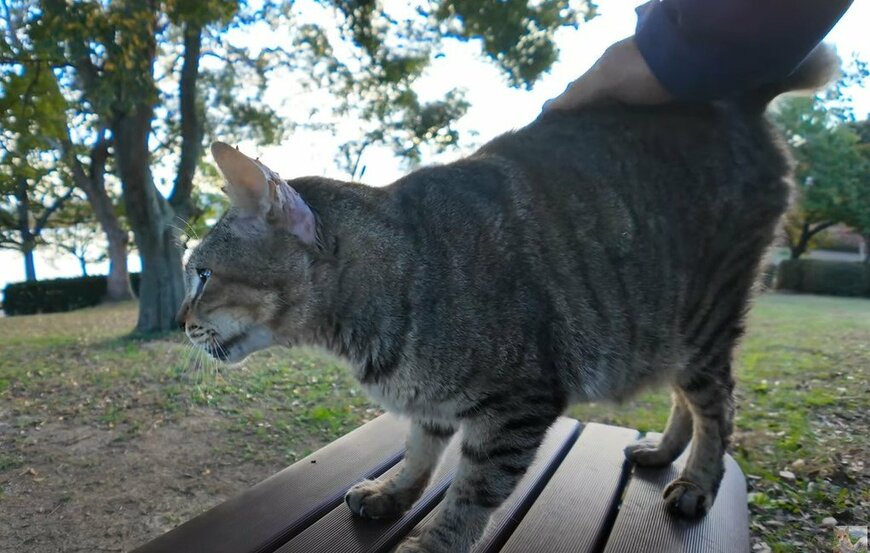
(620, 75)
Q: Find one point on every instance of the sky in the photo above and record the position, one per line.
(495, 108)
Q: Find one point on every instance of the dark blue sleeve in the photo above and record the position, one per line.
(704, 50)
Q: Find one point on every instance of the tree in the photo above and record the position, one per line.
(121, 59)
(32, 186)
(75, 231)
(831, 170)
(857, 210)
(20, 53)
(828, 169)
(29, 201)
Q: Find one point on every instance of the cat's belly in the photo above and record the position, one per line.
(411, 394)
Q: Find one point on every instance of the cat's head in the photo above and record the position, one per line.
(249, 282)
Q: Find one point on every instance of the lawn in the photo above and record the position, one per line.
(108, 440)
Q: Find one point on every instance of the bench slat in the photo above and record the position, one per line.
(263, 517)
(560, 438)
(580, 500)
(644, 525)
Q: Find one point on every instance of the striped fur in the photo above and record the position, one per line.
(581, 258)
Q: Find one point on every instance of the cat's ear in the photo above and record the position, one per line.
(258, 191)
(247, 184)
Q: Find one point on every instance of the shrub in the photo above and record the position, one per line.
(56, 295)
(833, 278)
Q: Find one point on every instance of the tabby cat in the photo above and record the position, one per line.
(581, 258)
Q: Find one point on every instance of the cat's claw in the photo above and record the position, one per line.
(687, 499)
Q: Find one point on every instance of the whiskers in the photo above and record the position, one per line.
(185, 235)
(203, 377)
(202, 370)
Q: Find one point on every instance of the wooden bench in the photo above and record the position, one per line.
(579, 496)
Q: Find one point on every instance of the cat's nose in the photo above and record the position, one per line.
(181, 317)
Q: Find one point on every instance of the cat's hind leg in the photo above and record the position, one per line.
(655, 452)
(393, 496)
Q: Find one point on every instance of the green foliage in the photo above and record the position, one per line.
(829, 162)
(832, 170)
(31, 108)
(31, 116)
(517, 35)
(32, 191)
(372, 77)
(34, 184)
(856, 212)
(56, 295)
(833, 278)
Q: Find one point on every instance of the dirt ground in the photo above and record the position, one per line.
(82, 489)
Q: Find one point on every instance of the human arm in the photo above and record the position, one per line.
(703, 50)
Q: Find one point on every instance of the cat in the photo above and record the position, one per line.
(582, 258)
(845, 543)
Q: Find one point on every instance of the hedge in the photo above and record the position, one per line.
(56, 295)
(833, 278)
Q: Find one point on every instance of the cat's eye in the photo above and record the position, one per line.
(203, 274)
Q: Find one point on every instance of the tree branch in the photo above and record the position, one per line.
(812, 231)
(58, 203)
(9, 243)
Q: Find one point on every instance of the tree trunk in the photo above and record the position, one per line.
(800, 248)
(93, 184)
(29, 268)
(161, 286)
(28, 241)
(191, 124)
(118, 280)
(83, 265)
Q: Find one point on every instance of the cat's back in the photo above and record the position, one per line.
(698, 156)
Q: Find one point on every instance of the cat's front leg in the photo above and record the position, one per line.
(393, 496)
(496, 451)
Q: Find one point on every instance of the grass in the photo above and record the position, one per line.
(803, 402)
(82, 367)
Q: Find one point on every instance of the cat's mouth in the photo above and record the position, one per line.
(222, 350)
(237, 347)
(217, 351)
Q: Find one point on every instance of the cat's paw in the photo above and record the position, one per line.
(688, 499)
(369, 500)
(648, 453)
(412, 545)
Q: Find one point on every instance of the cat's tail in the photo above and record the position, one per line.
(818, 69)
